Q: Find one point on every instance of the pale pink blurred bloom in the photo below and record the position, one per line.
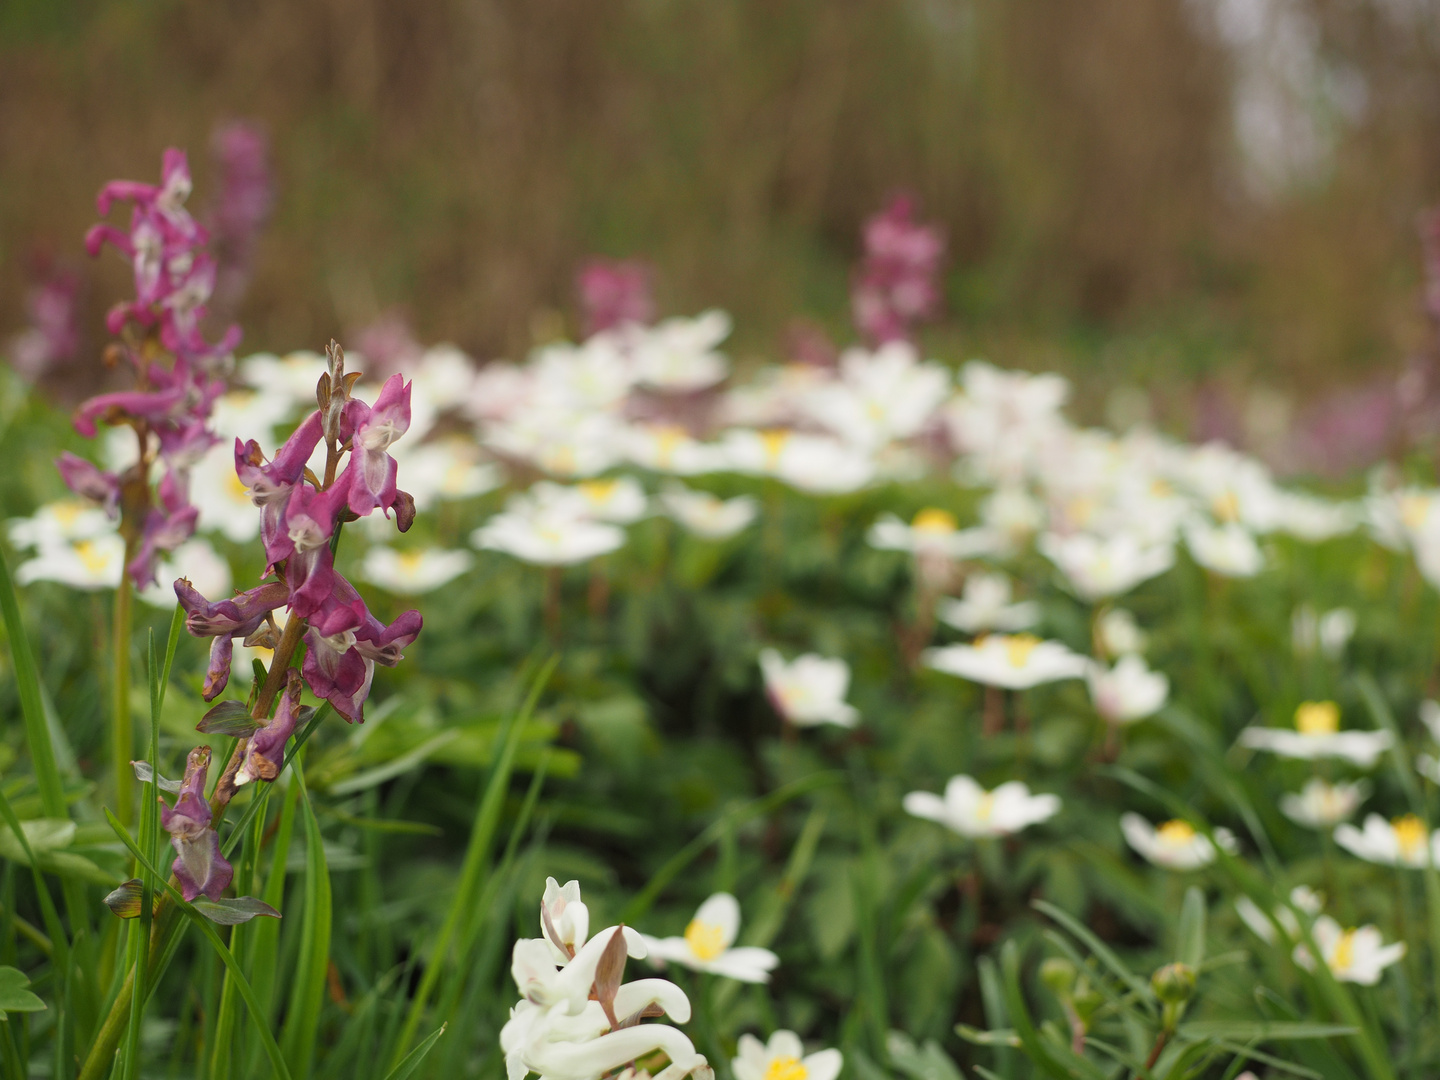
(245, 197)
(52, 337)
(897, 282)
(614, 292)
(388, 345)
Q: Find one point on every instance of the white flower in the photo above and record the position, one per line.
(1119, 634)
(1228, 550)
(410, 573)
(1317, 734)
(668, 448)
(880, 396)
(1357, 956)
(196, 560)
(1014, 661)
(932, 532)
(1402, 842)
(540, 527)
(809, 690)
(1128, 692)
(815, 464)
(709, 944)
(1323, 806)
(252, 414)
(705, 515)
(784, 1058)
(1303, 897)
(1430, 717)
(82, 564)
(679, 355)
(986, 605)
(447, 468)
(1099, 567)
(970, 810)
(1175, 845)
(1313, 519)
(292, 377)
(223, 501)
(1012, 515)
(59, 523)
(1328, 633)
(620, 501)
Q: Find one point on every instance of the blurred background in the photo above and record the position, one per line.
(1218, 202)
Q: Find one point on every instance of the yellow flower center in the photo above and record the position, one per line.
(668, 439)
(774, 441)
(1080, 510)
(1018, 648)
(410, 561)
(786, 1068)
(91, 555)
(562, 460)
(985, 807)
(1160, 489)
(67, 513)
(1175, 833)
(706, 940)
(1226, 507)
(235, 489)
(931, 520)
(599, 492)
(1317, 718)
(1343, 956)
(1409, 834)
(1413, 509)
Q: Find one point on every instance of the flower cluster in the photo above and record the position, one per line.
(301, 511)
(53, 336)
(897, 282)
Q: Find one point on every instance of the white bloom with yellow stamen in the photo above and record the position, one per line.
(987, 604)
(223, 501)
(252, 414)
(1323, 806)
(1012, 661)
(96, 563)
(669, 448)
(878, 397)
(447, 468)
(1357, 955)
(783, 1058)
(680, 355)
(409, 573)
(1317, 734)
(1097, 567)
(709, 944)
(291, 377)
(815, 464)
(1402, 842)
(60, 522)
(707, 516)
(619, 500)
(931, 532)
(1128, 692)
(808, 690)
(538, 528)
(1175, 845)
(970, 810)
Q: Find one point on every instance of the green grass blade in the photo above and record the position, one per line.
(415, 1057)
(307, 998)
(272, 1050)
(27, 681)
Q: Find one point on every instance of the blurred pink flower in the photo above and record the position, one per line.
(614, 292)
(246, 195)
(53, 336)
(896, 284)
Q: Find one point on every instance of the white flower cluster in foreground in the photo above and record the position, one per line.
(578, 1020)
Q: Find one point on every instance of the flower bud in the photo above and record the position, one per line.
(1174, 984)
(1058, 974)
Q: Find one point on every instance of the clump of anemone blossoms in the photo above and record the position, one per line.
(576, 1019)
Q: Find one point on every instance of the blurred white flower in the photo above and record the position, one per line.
(709, 944)
(932, 532)
(1013, 661)
(705, 515)
(1323, 806)
(1402, 842)
(668, 448)
(1099, 567)
(1430, 717)
(970, 810)
(446, 468)
(292, 377)
(619, 500)
(1175, 845)
(1328, 633)
(196, 560)
(808, 690)
(1119, 633)
(1128, 692)
(1314, 519)
(878, 397)
(985, 604)
(95, 563)
(1012, 515)
(1317, 734)
(247, 413)
(783, 1058)
(547, 529)
(679, 355)
(59, 523)
(223, 501)
(1357, 955)
(412, 572)
(815, 464)
(1228, 550)
(1303, 897)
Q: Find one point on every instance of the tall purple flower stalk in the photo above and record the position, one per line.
(242, 206)
(614, 292)
(177, 372)
(896, 284)
(300, 516)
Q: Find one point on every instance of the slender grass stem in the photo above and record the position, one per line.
(122, 734)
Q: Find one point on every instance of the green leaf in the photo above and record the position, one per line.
(14, 997)
(27, 682)
(1191, 946)
(233, 912)
(125, 901)
(412, 1060)
(229, 718)
(307, 997)
(1261, 1030)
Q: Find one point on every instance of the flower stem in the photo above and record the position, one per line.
(122, 736)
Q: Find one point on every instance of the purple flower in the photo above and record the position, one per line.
(345, 642)
(167, 526)
(387, 344)
(89, 481)
(370, 475)
(614, 292)
(202, 870)
(224, 621)
(265, 752)
(896, 283)
(53, 336)
(241, 153)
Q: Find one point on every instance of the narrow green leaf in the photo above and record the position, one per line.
(307, 997)
(27, 684)
(1191, 938)
(1101, 951)
(413, 1059)
(233, 912)
(1260, 1030)
(231, 719)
